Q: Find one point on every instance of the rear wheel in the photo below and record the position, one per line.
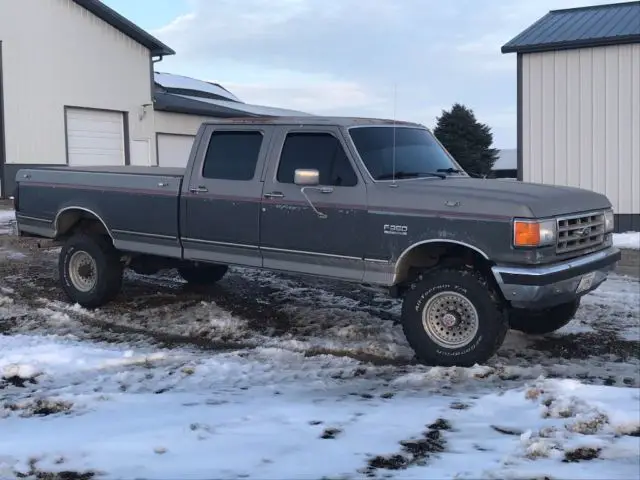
(202, 274)
(539, 322)
(90, 270)
(453, 317)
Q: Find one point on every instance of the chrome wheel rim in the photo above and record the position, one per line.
(450, 320)
(82, 271)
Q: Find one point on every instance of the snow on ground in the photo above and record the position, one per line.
(7, 217)
(270, 413)
(630, 240)
(272, 376)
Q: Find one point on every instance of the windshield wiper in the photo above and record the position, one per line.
(401, 174)
(455, 170)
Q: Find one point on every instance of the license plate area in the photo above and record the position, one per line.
(585, 282)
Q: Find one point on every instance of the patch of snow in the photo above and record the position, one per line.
(613, 307)
(7, 218)
(143, 413)
(630, 240)
(23, 371)
(170, 80)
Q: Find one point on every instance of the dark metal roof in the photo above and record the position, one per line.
(127, 27)
(593, 26)
(235, 113)
(167, 102)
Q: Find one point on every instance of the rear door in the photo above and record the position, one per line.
(222, 198)
(293, 236)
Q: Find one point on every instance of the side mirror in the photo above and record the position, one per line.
(306, 177)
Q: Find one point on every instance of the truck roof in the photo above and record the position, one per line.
(311, 120)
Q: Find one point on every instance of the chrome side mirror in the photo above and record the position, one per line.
(306, 177)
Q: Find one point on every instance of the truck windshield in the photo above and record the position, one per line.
(417, 153)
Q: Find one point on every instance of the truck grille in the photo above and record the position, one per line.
(579, 232)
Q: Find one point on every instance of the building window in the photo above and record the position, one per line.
(232, 155)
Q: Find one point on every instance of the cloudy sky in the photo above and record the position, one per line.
(347, 57)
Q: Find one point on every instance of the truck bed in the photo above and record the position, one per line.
(140, 205)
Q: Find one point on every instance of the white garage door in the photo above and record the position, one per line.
(174, 150)
(95, 137)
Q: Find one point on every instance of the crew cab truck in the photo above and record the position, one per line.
(361, 200)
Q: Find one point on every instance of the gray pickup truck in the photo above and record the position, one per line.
(362, 200)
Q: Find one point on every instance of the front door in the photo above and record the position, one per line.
(221, 202)
(320, 233)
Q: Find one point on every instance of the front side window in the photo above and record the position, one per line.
(320, 151)
(417, 153)
(232, 155)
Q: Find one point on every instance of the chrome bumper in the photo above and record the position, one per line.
(549, 285)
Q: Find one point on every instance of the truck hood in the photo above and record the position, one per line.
(511, 198)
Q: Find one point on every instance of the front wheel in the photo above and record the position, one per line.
(453, 317)
(90, 270)
(539, 322)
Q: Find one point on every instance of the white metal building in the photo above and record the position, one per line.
(183, 103)
(578, 98)
(76, 86)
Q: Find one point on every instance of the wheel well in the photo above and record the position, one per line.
(436, 254)
(78, 220)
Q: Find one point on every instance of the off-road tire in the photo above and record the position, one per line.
(108, 271)
(539, 322)
(201, 275)
(492, 319)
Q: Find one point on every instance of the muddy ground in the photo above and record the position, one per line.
(316, 316)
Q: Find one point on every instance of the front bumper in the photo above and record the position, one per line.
(550, 285)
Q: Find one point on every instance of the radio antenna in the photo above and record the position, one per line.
(393, 149)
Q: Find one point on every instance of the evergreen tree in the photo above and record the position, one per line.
(467, 140)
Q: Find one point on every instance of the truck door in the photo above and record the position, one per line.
(221, 203)
(315, 229)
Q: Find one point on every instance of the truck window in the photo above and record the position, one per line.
(321, 151)
(232, 155)
(407, 149)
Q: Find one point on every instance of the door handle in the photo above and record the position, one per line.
(274, 195)
(199, 189)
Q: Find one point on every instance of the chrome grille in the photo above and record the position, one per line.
(579, 232)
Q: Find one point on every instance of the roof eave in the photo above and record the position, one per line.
(126, 26)
(162, 51)
(586, 43)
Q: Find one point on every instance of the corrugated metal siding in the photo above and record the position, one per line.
(580, 25)
(581, 121)
(56, 53)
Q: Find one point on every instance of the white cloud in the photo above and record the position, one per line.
(323, 98)
(344, 57)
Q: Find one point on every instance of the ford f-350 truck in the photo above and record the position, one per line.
(362, 200)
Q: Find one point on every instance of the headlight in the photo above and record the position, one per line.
(534, 233)
(609, 221)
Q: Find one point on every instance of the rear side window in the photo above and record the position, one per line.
(232, 155)
(320, 151)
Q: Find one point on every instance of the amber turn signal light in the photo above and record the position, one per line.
(526, 234)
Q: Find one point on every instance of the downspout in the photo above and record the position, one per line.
(155, 60)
